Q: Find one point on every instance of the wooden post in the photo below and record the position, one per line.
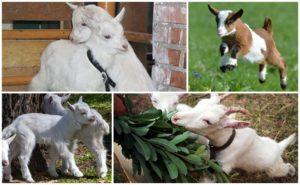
(110, 7)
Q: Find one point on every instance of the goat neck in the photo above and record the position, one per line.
(104, 58)
(242, 36)
(219, 137)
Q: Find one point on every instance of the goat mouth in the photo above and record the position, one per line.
(122, 50)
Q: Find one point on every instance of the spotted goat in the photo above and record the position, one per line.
(256, 46)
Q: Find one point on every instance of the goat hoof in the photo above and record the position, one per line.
(30, 180)
(223, 69)
(283, 86)
(262, 81)
(78, 174)
(292, 170)
(53, 174)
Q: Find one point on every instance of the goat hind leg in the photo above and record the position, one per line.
(281, 169)
(24, 157)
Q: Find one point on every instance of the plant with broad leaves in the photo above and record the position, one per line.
(161, 151)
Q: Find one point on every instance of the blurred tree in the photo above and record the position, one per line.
(14, 105)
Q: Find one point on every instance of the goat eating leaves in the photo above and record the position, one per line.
(239, 146)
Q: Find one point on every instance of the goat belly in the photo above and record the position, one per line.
(258, 45)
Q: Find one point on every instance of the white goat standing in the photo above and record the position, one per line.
(55, 131)
(91, 135)
(247, 151)
(65, 65)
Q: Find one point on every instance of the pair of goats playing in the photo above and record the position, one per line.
(244, 148)
(60, 132)
(97, 57)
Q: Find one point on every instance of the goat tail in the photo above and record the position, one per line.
(8, 131)
(268, 25)
(286, 142)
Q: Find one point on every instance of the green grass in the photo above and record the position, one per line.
(204, 57)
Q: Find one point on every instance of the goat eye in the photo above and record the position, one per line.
(207, 121)
(83, 24)
(83, 113)
(107, 36)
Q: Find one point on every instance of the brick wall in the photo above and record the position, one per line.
(169, 45)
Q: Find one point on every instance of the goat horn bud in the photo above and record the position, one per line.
(233, 110)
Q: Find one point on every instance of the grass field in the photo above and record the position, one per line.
(204, 57)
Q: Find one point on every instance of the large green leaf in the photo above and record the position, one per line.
(194, 159)
(164, 143)
(179, 163)
(171, 167)
(140, 131)
(180, 138)
(142, 147)
(117, 127)
(214, 166)
(156, 169)
(146, 171)
(124, 126)
(183, 150)
(153, 156)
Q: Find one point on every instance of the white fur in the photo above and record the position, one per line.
(283, 80)
(91, 135)
(52, 130)
(65, 66)
(263, 73)
(232, 61)
(257, 46)
(248, 151)
(222, 31)
(165, 101)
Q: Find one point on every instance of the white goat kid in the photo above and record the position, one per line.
(91, 135)
(65, 65)
(55, 131)
(247, 151)
(168, 102)
(5, 155)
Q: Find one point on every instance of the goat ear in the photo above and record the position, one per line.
(65, 98)
(120, 16)
(213, 10)
(236, 15)
(215, 97)
(232, 123)
(80, 99)
(72, 6)
(71, 107)
(9, 140)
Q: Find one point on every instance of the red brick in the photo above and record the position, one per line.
(178, 79)
(175, 35)
(161, 33)
(183, 38)
(174, 57)
(178, 15)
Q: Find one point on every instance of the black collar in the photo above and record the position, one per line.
(214, 149)
(106, 79)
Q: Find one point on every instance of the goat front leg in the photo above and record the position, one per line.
(224, 49)
(67, 155)
(97, 148)
(65, 165)
(53, 154)
(262, 72)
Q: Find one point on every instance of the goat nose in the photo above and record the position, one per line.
(125, 46)
(174, 119)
